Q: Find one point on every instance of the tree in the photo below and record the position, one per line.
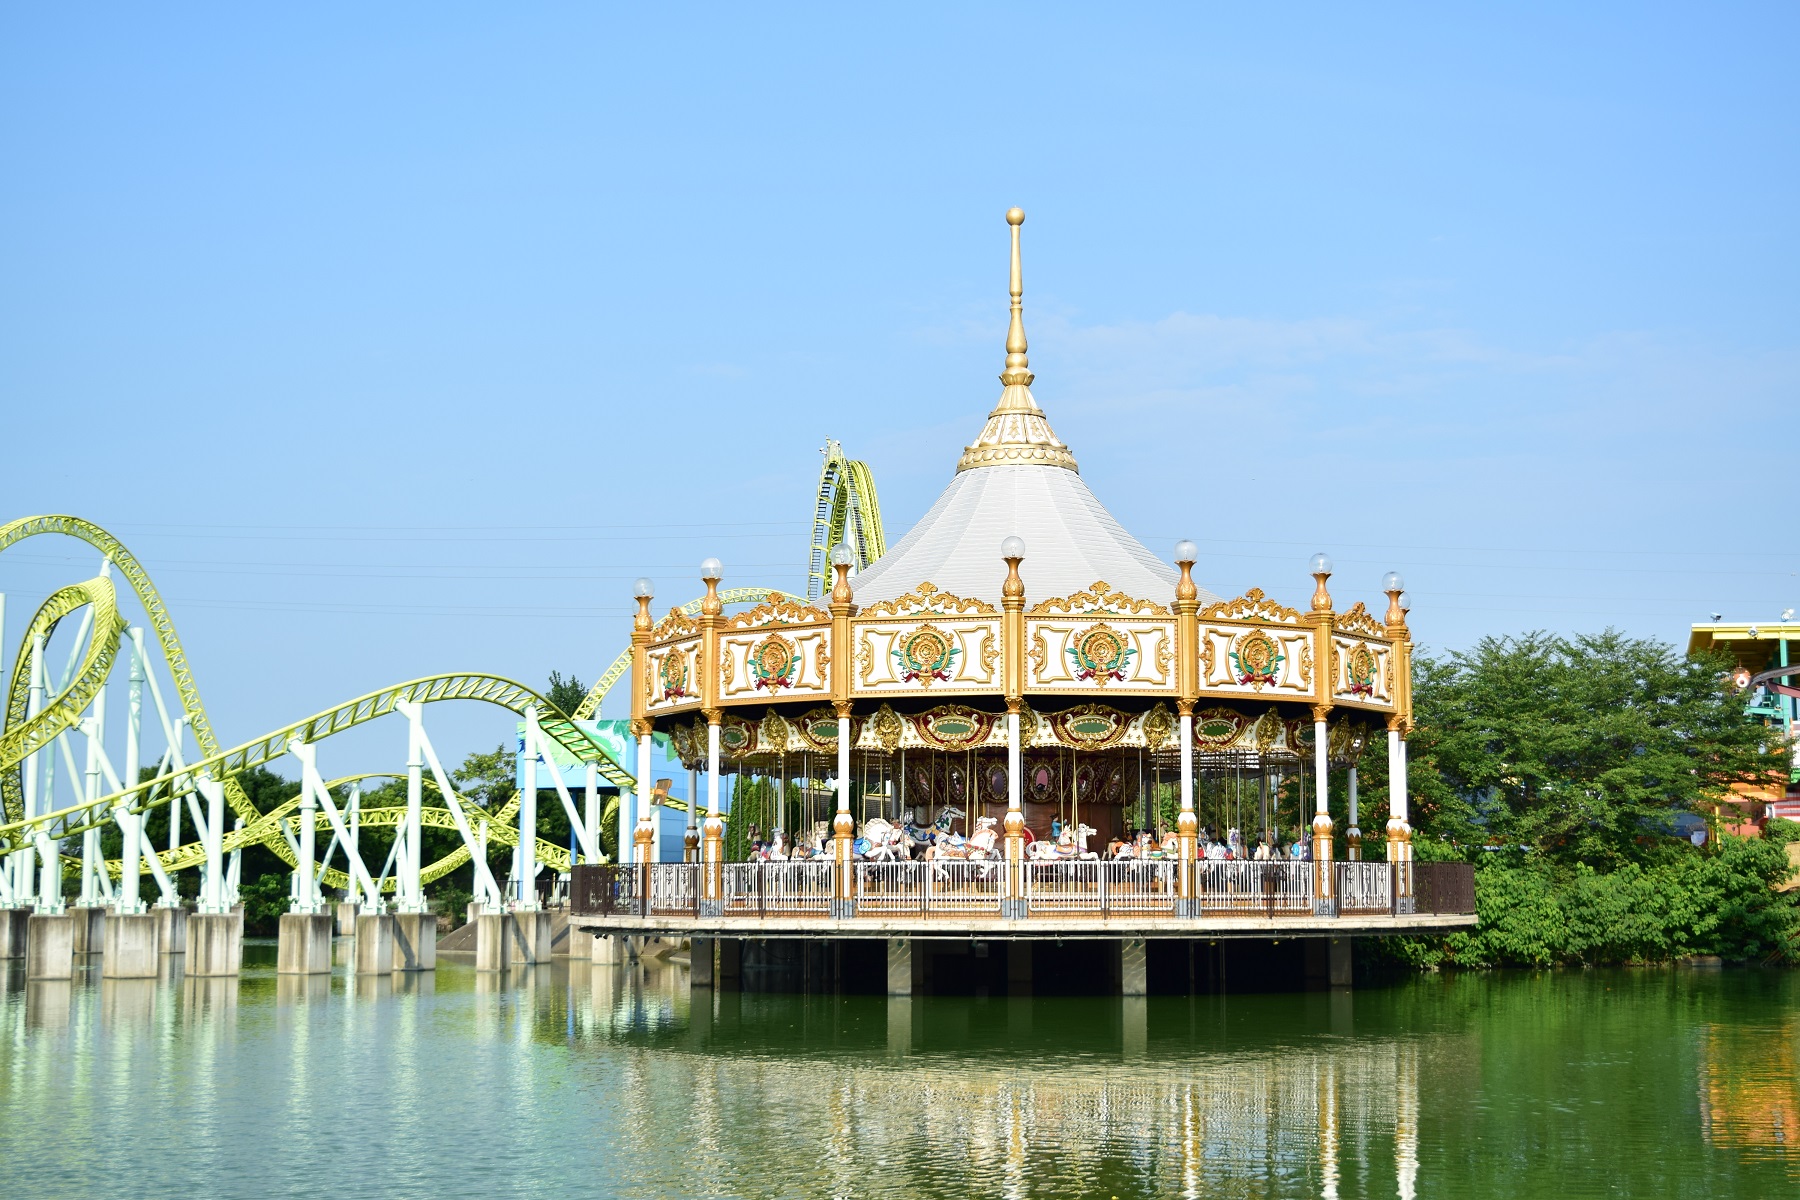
(1581, 749)
(566, 692)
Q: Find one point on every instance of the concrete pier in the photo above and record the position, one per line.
(899, 967)
(492, 931)
(171, 930)
(730, 973)
(345, 913)
(700, 963)
(50, 946)
(129, 947)
(304, 944)
(1018, 968)
(374, 943)
(531, 940)
(90, 928)
(415, 942)
(12, 932)
(1133, 975)
(1341, 969)
(215, 945)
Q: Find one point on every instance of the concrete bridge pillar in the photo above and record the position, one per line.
(899, 967)
(531, 937)
(1133, 973)
(171, 930)
(700, 958)
(90, 928)
(303, 946)
(374, 943)
(129, 947)
(13, 924)
(1018, 968)
(216, 944)
(415, 942)
(50, 946)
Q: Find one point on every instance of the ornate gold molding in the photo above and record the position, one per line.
(676, 624)
(929, 601)
(777, 610)
(1099, 597)
(1359, 621)
(1251, 606)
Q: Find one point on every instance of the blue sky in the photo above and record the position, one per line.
(401, 339)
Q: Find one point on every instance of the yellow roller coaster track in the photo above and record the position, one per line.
(845, 511)
(24, 734)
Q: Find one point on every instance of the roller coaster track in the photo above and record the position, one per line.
(25, 734)
(844, 510)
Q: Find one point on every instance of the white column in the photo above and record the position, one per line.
(34, 704)
(841, 844)
(1187, 762)
(412, 897)
(355, 832)
(1015, 769)
(590, 788)
(306, 897)
(626, 825)
(712, 771)
(1324, 872)
(212, 891)
(645, 830)
(1353, 834)
(1397, 802)
(526, 852)
(91, 862)
(1321, 765)
(130, 823)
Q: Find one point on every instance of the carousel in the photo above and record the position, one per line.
(1019, 686)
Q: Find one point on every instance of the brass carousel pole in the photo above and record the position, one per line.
(1012, 642)
(1187, 690)
(712, 845)
(843, 826)
(1324, 874)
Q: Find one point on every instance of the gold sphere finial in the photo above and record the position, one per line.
(1015, 216)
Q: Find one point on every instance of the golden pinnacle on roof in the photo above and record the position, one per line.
(1017, 433)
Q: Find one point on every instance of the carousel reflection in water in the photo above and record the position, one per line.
(851, 1095)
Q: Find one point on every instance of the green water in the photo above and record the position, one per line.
(611, 1081)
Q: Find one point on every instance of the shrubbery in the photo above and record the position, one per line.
(1535, 913)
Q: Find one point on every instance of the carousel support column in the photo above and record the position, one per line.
(1325, 901)
(1399, 832)
(712, 849)
(843, 826)
(690, 841)
(1324, 873)
(1187, 688)
(712, 835)
(1353, 835)
(643, 839)
(1013, 904)
(1187, 824)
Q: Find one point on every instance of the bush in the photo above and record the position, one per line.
(265, 898)
(1537, 914)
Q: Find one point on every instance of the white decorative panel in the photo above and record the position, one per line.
(775, 662)
(1255, 659)
(941, 653)
(673, 677)
(1362, 671)
(1100, 653)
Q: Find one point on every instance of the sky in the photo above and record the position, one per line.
(401, 339)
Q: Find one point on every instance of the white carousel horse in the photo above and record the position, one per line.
(887, 842)
(1070, 845)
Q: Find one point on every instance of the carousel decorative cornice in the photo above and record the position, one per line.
(1099, 598)
(1251, 606)
(778, 609)
(1017, 433)
(927, 600)
(1359, 620)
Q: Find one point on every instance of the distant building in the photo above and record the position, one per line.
(1759, 649)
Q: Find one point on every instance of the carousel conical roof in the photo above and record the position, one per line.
(1017, 477)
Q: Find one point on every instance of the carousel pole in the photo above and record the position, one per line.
(1399, 832)
(1012, 640)
(712, 832)
(1187, 686)
(690, 840)
(1352, 835)
(843, 825)
(1324, 873)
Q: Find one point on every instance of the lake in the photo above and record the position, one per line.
(616, 1081)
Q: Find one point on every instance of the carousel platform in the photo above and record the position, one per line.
(1091, 899)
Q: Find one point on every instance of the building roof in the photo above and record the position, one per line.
(1017, 478)
(1754, 644)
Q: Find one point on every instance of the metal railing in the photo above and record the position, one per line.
(1364, 887)
(1131, 886)
(958, 886)
(1254, 887)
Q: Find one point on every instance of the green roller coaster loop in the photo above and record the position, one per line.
(24, 735)
(845, 510)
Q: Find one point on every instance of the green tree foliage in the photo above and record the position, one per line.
(1578, 749)
(566, 692)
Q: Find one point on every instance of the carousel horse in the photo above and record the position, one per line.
(1070, 846)
(885, 842)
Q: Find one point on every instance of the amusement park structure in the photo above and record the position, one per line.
(1015, 676)
(922, 746)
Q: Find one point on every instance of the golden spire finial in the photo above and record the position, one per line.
(1016, 433)
(1017, 365)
